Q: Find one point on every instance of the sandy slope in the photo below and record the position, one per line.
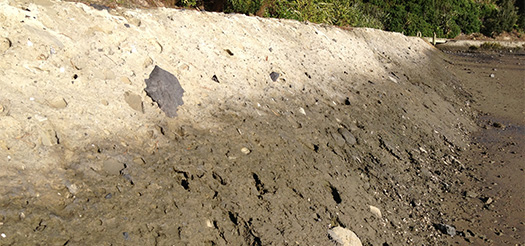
(356, 118)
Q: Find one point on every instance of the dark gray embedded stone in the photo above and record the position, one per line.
(214, 78)
(165, 89)
(274, 76)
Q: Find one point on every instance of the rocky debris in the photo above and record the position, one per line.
(134, 101)
(274, 76)
(215, 79)
(112, 167)
(344, 236)
(349, 138)
(125, 80)
(471, 194)
(375, 211)
(302, 168)
(72, 188)
(58, 103)
(48, 137)
(245, 150)
(5, 44)
(165, 89)
(446, 229)
(338, 138)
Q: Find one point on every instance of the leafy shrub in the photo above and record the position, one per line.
(499, 19)
(243, 6)
(491, 46)
(446, 18)
(335, 12)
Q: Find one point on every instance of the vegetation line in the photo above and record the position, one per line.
(446, 18)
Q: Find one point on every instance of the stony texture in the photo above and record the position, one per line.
(344, 236)
(58, 103)
(165, 89)
(185, 180)
(375, 211)
(5, 44)
(134, 101)
(446, 229)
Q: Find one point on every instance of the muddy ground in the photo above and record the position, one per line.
(356, 118)
(495, 182)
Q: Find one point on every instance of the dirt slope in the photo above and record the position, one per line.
(355, 119)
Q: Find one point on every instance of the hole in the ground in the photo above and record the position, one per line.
(185, 184)
(233, 218)
(335, 195)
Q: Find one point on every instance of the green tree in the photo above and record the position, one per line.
(499, 18)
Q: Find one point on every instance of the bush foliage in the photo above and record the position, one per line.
(446, 18)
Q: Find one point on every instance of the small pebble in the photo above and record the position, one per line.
(58, 103)
(471, 194)
(375, 211)
(5, 44)
(125, 80)
(245, 150)
(214, 78)
(3, 235)
(301, 110)
(274, 76)
(350, 139)
(492, 75)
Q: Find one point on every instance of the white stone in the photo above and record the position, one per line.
(375, 211)
(245, 150)
(301, 110)
(344, 236)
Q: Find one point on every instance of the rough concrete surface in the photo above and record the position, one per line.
(354, 119)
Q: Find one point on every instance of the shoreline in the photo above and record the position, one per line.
(494, 181)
